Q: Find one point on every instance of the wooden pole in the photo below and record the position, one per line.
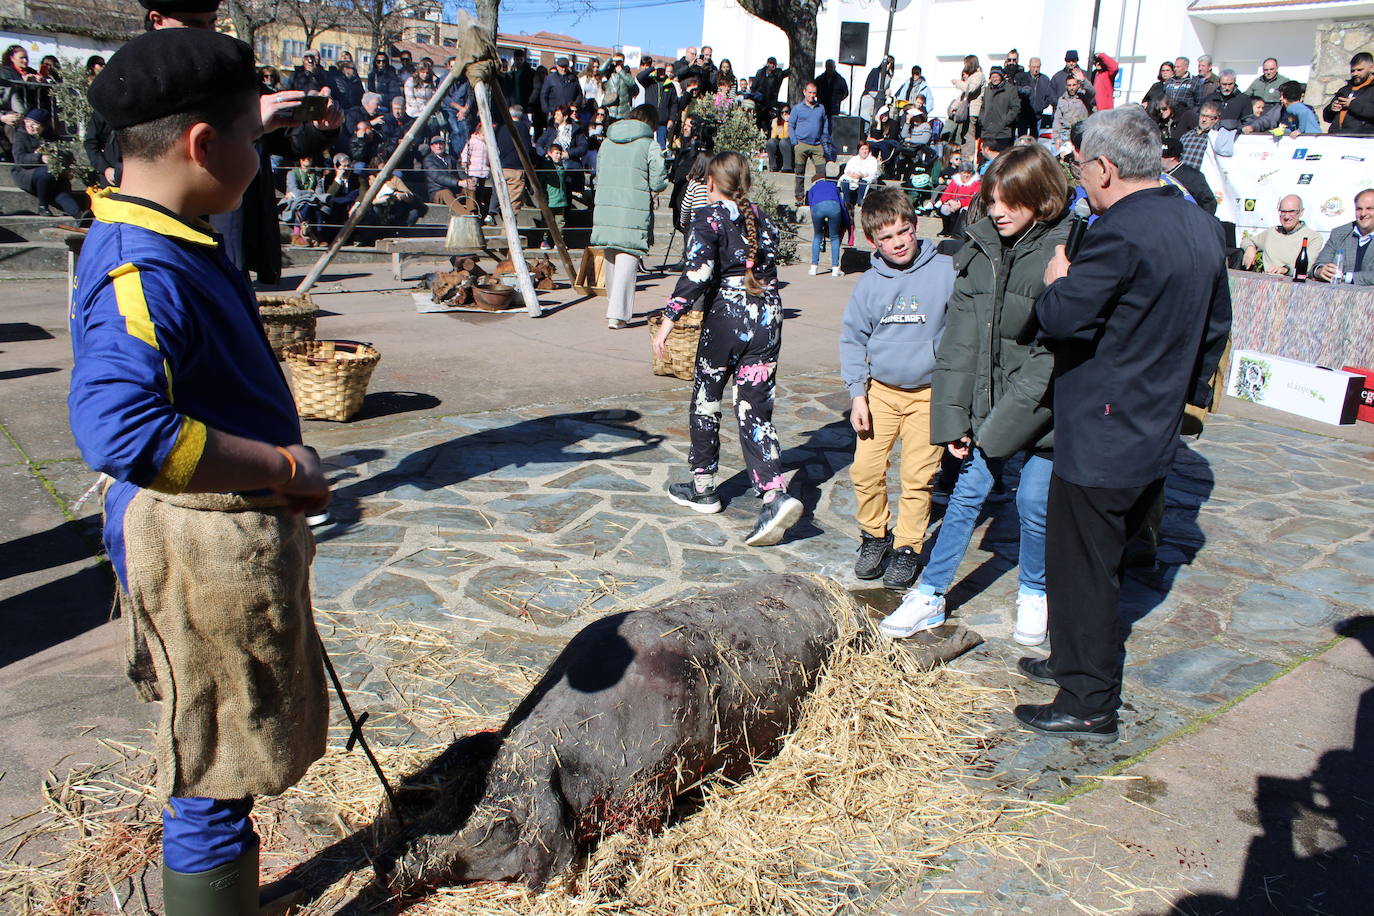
(498, 181)
(535, 188)
(355, 216)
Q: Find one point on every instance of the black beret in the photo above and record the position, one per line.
(169, 71)
(180, 6)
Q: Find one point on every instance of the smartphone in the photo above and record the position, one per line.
(311, 108)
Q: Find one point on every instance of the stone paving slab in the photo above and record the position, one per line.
(510, 530)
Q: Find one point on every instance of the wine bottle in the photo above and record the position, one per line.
(1300, 265)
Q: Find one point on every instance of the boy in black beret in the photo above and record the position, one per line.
(177, 396)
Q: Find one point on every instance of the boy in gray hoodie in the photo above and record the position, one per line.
(892, 327)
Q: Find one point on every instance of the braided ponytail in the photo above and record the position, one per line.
(730, 173)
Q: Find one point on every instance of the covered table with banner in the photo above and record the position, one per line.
(1325, 171)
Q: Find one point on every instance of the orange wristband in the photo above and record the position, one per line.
(291, 459)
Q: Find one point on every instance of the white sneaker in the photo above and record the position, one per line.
(615, 324)
(815, 269)
(1032, 619)
(836, 272)
(918, 611)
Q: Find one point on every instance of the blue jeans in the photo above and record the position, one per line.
(970, 491)
(825, 218)
(661, 134)
(853, 194)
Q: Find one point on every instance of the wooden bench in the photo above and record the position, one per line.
(402, 247)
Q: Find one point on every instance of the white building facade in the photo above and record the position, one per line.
(1139, 34)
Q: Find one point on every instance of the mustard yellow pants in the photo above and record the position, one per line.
(897, 414)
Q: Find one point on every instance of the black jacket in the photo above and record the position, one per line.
(559, 91)
(441, 173)
(387, 83)
(1001, 110)
(102, 149)
(577, 146)
(1196, 184)
(1359, 116)
(768, 83)
(831, 90)
(1137, 329)
(1234, 108)
(505, 145)
(309, 80)
(347, 90)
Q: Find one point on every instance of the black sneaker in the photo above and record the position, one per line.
(686, 494)
(872, 553)
(902, 568)
(774, 519)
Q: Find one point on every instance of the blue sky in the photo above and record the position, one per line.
(654, 25)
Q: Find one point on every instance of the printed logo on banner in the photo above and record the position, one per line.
(1333, 208)
(1305, 179)
(1352, 159)
(1249, 205)
(1315, 157)
(1300, 152)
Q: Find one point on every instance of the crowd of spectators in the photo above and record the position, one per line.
(563, 117)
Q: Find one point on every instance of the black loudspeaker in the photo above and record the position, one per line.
(845, 133)
(854, 43)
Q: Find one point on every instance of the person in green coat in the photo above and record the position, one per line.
(629, 171)
(989, 394)
(619, 89)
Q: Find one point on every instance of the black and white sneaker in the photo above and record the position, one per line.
(902, 568)
(686, 494)
(775, 518)
(872, 553)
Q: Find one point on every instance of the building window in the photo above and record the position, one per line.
(290, 50)
(329, 52)
(450, 42)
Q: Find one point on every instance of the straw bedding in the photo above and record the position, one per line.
(879, 780)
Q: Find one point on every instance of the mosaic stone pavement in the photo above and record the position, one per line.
(467, 549)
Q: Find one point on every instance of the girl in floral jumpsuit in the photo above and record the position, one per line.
(732, 264)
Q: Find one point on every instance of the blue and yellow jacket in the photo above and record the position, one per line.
(168, 344)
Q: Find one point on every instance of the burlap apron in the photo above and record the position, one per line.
(221, 630)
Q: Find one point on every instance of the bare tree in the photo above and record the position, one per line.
(317, 16)
(797, 19)
(385, 19)
(247, 16)
(488, 15)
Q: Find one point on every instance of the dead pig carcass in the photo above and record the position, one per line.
(634, 711)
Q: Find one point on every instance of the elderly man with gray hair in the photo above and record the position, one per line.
(1280, 244)
(1137, 323)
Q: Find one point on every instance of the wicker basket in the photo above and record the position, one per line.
(681, 346)
(287, 320)
(330, 377)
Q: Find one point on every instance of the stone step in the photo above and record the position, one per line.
(29, 228)
(21, 257)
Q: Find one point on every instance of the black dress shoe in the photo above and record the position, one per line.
(1045, 718)
(1037, 669)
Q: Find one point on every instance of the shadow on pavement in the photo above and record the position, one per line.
(8, 374)
(542, 441)
(389, 403)
(1316, 853)
(1175, 538)
(46, 616)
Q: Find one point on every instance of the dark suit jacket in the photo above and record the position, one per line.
(1196, 184)
(1137, 329)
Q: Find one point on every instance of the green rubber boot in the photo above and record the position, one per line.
(229, 890)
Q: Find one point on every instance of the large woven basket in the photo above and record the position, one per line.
(330, 377)
(287, 320)
(681, 346)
